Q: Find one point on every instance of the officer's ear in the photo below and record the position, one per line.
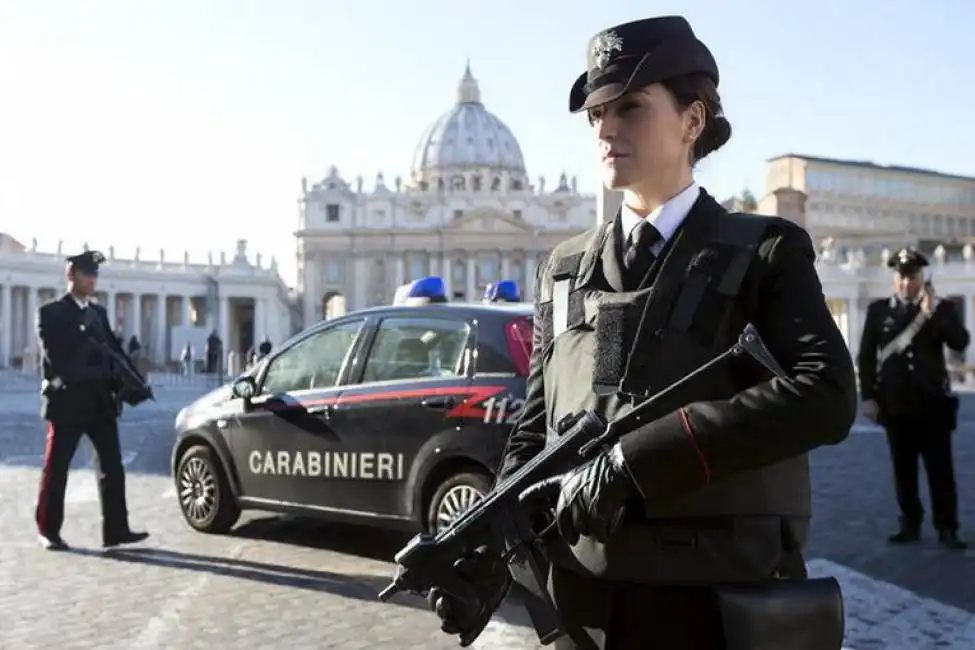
(695, 119)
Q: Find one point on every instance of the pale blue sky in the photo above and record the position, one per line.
(189, 123)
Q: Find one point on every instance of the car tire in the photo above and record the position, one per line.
(204, 494)
(454, 495)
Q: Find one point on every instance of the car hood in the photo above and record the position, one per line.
(211, 401)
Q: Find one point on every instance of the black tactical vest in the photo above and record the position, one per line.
(606, 350)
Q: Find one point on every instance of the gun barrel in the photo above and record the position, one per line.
(389, 592)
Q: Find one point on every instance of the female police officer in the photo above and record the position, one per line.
(712, 493)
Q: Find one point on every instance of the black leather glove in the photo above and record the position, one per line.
(593, 496)
(488, 572)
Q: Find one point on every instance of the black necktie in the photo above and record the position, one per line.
(637, 256)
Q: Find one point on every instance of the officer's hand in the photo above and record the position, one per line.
(927, 298)
(871, 410)
(488, 573)
(592, 497)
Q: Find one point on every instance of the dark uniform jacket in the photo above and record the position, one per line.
(913, 381)
(722, 470)
(76, 372)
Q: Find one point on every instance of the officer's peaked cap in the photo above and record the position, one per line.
(87, 262)
(637, 54)
(907, 260)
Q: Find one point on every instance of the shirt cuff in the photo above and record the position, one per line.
(664, 458)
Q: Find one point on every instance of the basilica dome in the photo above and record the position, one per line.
(467, 138)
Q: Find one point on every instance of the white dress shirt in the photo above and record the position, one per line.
(666, 219)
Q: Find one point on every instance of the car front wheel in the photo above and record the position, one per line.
(204, 493)
(454, 496)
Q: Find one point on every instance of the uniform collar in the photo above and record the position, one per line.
(897, 300)
(82, 304)
(667, 218)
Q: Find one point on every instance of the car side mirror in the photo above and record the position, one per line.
(244, 388)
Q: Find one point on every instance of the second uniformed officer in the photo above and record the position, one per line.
(78, 398)
(905, 387)
(712, 493)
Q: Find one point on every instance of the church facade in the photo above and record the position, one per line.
(467, 211)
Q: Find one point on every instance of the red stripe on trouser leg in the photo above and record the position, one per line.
(700, 454)
(41, 514)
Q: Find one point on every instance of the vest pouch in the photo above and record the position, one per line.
(780, 614)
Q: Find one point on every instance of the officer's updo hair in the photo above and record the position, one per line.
(690, 88)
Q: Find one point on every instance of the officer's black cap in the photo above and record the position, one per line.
(907, 261)
(87, 262)
(637, 54)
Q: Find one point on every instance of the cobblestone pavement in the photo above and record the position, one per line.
(279, 582)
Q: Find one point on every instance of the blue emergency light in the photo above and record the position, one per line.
(503, 291)
(422, 291)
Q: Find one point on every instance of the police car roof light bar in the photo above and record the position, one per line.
(422, 291)
(502, 291)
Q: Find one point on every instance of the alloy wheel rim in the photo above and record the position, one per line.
(455, 502)
(197, 490)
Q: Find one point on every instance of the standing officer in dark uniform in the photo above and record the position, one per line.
(905, 387)
(79, 398)
(717, 491)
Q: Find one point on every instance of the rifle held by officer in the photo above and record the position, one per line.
(504, 524)
(133, 389)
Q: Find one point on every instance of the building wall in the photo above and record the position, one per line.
(165, 304)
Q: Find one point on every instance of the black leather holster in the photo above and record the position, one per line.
(783, 615)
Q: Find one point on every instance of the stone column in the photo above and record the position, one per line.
(111, 306)
(531, 262)
(184, 310)
(400, 270)
(505, 267)
(6, 324)
(260, 327)
(471, 277)
(161, 353)
(446, 272)
(223, 325)
(31, 316)
(135, 327)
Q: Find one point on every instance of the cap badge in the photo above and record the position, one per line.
(603, 47)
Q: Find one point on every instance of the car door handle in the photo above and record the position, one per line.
(323, 410)
(439, 402)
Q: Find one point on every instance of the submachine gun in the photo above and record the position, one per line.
(503, 523)
(130, 386)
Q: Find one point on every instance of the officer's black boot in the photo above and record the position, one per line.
(949, 539)
(906, 535)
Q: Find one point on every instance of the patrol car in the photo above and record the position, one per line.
(395, 416)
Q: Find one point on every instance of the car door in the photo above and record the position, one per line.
(413, 381)
(283, 444)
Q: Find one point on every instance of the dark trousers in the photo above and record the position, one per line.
(911, 437)
(62, 441)
(627, 616)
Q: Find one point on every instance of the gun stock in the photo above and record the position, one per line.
(502, 519)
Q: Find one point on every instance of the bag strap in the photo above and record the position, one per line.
(744, 231)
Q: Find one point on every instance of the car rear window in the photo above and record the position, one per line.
(508, 353)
